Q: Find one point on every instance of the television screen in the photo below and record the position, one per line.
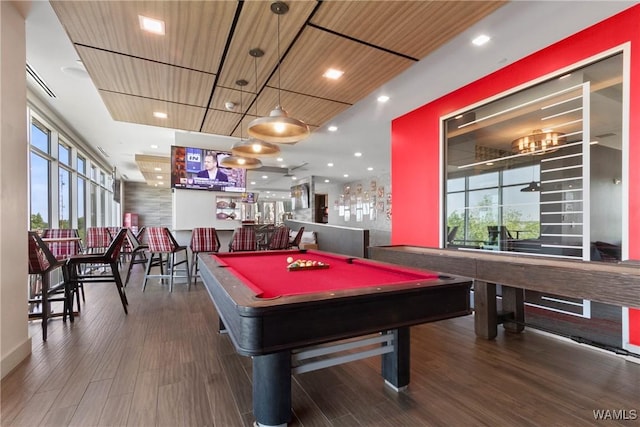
(197, 169)
(300, 196)
(249, 197)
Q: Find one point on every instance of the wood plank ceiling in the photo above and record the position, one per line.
(191, 71)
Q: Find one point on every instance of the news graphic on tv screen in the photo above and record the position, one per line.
(198, 169)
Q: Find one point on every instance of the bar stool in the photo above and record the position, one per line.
(42, 262)
(278, 240)
(110, 258)
(161, 241)
(243, 239)
(203, 239)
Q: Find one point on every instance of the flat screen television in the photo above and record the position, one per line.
(197, 169)
(249, 198)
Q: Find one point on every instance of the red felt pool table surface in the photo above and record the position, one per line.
(266, 273)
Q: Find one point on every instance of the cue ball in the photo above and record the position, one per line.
(290, 260)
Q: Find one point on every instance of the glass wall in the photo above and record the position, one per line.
(59, 186)
(519, 167)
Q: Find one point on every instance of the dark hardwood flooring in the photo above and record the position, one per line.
(165, 365)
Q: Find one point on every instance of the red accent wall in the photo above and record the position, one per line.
(415, 137)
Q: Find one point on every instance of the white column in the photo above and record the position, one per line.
(15, 343)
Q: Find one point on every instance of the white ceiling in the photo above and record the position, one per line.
(517, 29)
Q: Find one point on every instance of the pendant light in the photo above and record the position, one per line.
(254, 147)
(278, 127)
(235, 161)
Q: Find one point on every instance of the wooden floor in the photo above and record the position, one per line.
(165, 365)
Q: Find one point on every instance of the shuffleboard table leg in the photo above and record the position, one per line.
(485, 309)
(396, 365)
(272, 389)
(513, 304)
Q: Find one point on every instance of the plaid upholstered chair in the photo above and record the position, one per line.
(109, 258)
(97, 239)
(203, 239)
(279, 239)
(243, 239)
(137, 250)
(161, 242)
(41, 263)
(63, 249)
(295, 243)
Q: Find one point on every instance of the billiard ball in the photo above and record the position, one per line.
(289, 260)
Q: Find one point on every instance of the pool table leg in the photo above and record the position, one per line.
(272, 389)
(396, 365)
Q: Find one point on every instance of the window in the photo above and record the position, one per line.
(58, 193)
(40, 137)
(64, 194)
(39, 192)
(522, 169)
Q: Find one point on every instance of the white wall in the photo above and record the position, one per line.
(15, 343)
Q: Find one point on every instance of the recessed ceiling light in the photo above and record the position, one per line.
(265, 176)
(333, 74)
(151, 25)
(159, 176)
(330, 165)
(369, 168)
(332, 128)
(279, 159)
(346, 175)
(154, 146)
(293, 178)
(161, 183)
(157, 169)
(253, 183)
(489, 163)
(481, 39)
(383, 98)
(357, 154)
(326, 180)
(159, 115)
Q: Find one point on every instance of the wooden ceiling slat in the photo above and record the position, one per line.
(413, 28)
(365, 68)
(195, 31)
(125, 74)
(257, 28)
(128, 108)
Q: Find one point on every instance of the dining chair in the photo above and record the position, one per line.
(41, 263)
(63, 249)
(161, 242)
(278, 240)
(110, 258)
(295, 243)
(137, 251)
(243, 239)
(203, 239)
(97, 240)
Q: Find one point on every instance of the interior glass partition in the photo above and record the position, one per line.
(523, 170)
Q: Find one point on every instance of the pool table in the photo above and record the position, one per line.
(293, 321)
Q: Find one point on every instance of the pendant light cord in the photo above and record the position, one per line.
(279, 62)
